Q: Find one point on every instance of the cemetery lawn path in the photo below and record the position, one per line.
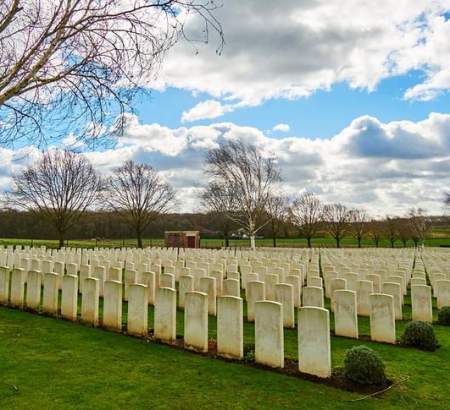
(53, 364)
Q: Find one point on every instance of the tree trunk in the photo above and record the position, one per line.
(227, 240)
(359, 242)
(308, 239)
(61, 238)
(392, 243)
(139, 237)
(376, 243)
(274, 235)
(251, 233)
(338, 242)
(252, 242)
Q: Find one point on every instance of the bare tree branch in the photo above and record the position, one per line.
(68, 64)
(60, 187)
(359, 226)
(306, 214)
(337, 221)
(139, 194)
(244, 170)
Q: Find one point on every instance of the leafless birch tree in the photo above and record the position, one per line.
(243, 169)
(61, 186)
(139, 194)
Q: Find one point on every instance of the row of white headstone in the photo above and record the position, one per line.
(313, 322)
(271, 280)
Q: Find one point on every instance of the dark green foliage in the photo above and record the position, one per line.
(444, 316)
(421, 335)
(363, 366)
(249, 355)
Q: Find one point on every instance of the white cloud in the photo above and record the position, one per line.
(206, 110)
(290, 49)
(281, 128)
(369, 163)
(383, 167)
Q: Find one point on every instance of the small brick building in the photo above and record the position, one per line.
(182, 239)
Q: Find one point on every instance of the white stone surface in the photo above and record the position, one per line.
(382, 318)
(196, 321)
(345, 314)
(137, 320)
(166, 315)
(112, 305)
(230, 327)
(269, 336)
(314, 350)
(69, 297)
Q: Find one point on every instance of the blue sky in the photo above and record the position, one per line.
(359, 90)
(321, 115)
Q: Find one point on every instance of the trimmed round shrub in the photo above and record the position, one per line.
(363, 366)
(444, 316)
(421, 335)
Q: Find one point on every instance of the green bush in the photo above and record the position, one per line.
(363, 366)
(444, 316)
(421, 335)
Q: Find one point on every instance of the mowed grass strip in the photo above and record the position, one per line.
(434, 240)
(49, 363)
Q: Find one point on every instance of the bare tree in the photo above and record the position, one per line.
(60, 187)
(70, 63)
(219, 201)
(404, 230)
(139, 194)
(337, 221)
(420, 225)
(244, 170)
(306, 213)
(375, 231)
(358, 219)
(391, 230)
(277, 210)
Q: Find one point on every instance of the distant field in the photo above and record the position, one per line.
(438, 238)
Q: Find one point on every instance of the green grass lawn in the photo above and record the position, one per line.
(50, 363)
(217, 243)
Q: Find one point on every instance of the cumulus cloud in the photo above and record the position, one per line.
(290, 49)
(206, 110)
(281, 128)
(383, 167)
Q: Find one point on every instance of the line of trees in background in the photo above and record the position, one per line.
(62, 195)
(107, 224)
